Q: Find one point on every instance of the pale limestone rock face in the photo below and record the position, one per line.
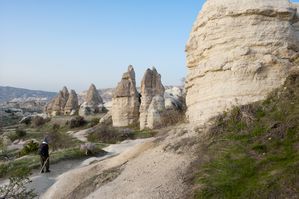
(93, 102)
(238, 52)
(72, 104)
(151, 86)
(155, 112)
(125, 101)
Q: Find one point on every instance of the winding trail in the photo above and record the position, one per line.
(155, 168)
(42, 182)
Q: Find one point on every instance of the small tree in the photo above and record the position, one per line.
(16, 188)
(20, 133)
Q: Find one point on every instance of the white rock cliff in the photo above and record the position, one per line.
(238, 52)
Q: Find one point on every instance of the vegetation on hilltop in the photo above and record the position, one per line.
(253, 151)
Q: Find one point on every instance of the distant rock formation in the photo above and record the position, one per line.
(238, 52)
(174, 98)
(72, 105)
(125, 101)
(93, 98)
(152, 99)
(57, 104)
(93, 102)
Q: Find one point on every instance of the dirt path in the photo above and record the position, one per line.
(81, 134)
(42, 182)
(155, 169)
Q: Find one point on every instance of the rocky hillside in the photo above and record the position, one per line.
(252, 151)
(19, 94)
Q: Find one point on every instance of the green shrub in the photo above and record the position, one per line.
(20, 133)
(59, 140)
(29, 147)
(93, 122)
(75, 122)
(55, 127)
(38, 121)
(171, 117)
(108, 134)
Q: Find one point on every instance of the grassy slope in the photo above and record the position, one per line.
(253, 151)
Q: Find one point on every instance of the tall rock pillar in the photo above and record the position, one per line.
(152, 100)
(125, 101)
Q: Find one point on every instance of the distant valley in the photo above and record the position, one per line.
(8, 93)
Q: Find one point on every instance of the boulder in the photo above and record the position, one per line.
(126, 101)
(151, 86)
(88, 148)
(238, 52)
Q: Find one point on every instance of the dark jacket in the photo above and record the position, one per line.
(44, 150)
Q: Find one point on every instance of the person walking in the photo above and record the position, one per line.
(44, 156)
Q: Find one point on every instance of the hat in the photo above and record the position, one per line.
(45, 141)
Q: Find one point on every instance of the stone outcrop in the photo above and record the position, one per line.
(93, 103)
(174, 99)
(151, 110)
(71, 106)
(238, 52)
(57, 104)
(126, 101)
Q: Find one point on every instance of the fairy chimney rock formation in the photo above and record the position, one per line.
(72, 104)
(238, 52)
(93, 102)
(65, 93)
(152, 99)
(57, 105)
(93, 97)
(125, 101)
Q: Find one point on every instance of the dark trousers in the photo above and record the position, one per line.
(43, 160)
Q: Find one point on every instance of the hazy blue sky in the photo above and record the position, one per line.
(50, 43)
(47, 44)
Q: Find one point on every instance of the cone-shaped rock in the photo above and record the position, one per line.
(125, 101)
(71, 106)
(93, 102)
(238, 52)
(93, 97)
(151, 86)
